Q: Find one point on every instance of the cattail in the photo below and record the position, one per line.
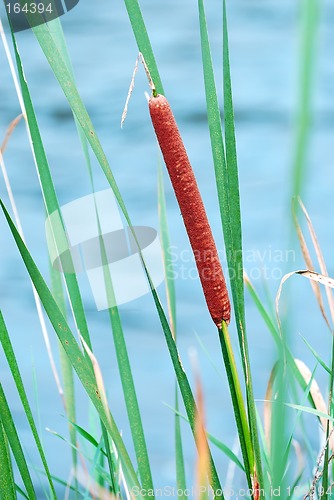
(192, 209)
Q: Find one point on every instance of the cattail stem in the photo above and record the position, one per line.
(237, 402)
(192, 210)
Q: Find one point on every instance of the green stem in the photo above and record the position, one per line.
(186, 392)
(237, 401)
(330, 399)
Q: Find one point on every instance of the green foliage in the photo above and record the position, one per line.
(266, 451)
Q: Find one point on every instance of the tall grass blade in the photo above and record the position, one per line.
(11, 359)
(7, 486)
(60, 41)
(131, 400)
(14, 442)
(170, 292)
(65, 365)
(143, 41)
(125, 371)
(310, 14)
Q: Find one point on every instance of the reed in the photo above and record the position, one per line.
(110, 468)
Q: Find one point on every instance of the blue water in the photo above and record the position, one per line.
(264, 39)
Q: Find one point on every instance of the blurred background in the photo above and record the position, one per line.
(268, 61)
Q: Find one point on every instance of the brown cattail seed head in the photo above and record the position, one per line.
(192, 209)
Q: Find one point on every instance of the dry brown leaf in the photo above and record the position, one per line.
(309, 265)
(320, 257)
(203, 457)
(141, 59)
(268, 405)
(311, 275)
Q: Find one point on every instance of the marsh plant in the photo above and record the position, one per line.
(275, 456)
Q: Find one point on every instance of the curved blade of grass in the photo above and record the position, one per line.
(65, 365)
(78, 361)
(19, 490)
(7, 486)
(131, 400)
(316, 355)
(226, 450)
(313, 411)
(170, 292)
(263, 312)
(14, 441)
(86, 435)
(143, 41)
(11, 359)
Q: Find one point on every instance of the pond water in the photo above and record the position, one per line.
(265, 53)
